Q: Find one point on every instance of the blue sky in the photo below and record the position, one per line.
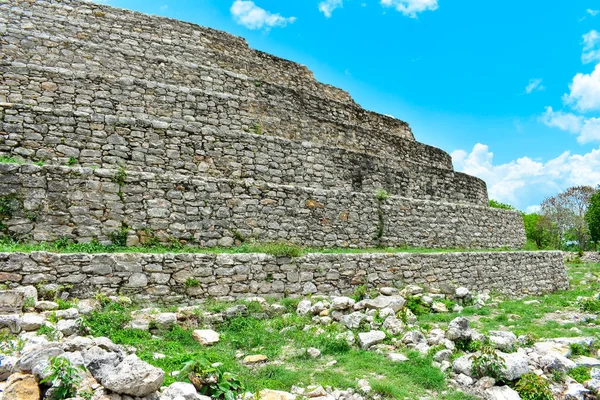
(507, 87)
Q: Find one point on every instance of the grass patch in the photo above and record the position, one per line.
(280, 339)
(275, 249)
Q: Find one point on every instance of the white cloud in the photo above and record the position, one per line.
(411, 7)
(533, 209)
(524, 181)
(251, 16)
(164, 7)
(591, 47)
(327, 6)
(564, 121)
(585, 91)
(590, 131)
(593, 13)
(534, 85)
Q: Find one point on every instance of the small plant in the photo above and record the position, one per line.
(64, 377)
(9, 344)
(382, 195)
(590, 305)
(191, 282)
(120, 177)
(211, 381)
(417, 307)
(580, 374)
(72, 161)
(86, 394)
(257, 83)
(257, 128)
(51, 333)
(468, 345)
(529, 340)
(29, 302)
(119, 238)
(488, 363)
(64, 304)
(532, 387)
(578, 349)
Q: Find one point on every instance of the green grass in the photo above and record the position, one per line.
(276, 249)
(280, 339)
(521, 319)
(17, 160)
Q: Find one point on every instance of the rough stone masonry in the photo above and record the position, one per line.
(147, 127)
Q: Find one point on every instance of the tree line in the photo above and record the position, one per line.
(569, 220)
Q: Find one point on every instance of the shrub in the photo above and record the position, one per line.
(578, 349)
(417, 307)
(211, 381)
(590, 305)
(532, 387)
(64, 377)
(580, 374)
(488, 363)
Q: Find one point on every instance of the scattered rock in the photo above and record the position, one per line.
(255, 359)
(397, 357)
(313, 353)
(502, 340)
(368, 339)
(501, 393)
(206, 337)
(459, 329)
(304, 307)
(181, 391)
(275, 395)
(22, 387)
(32, 322)
(46, 306)
(439, 307)
(134, 377)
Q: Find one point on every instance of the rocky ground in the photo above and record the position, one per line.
(411, 342)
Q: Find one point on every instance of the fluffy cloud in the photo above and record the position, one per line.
(525, 182)
(585, 91)
(327, 6)
(593, 13)
(411, 7)
(251, 16)
(591, 47)
(534, 85)
(564, 121)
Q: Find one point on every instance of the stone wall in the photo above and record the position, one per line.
(37, 37)
(163, 277)
(55, 135)
(51, 202)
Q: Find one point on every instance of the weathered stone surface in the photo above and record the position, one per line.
(268, 394)
(206, 337)
(181, 391)
(11, 302)
(214, 270)
(134, 377)
(32, 322)
(255, 359)
(368, 339)
(501, 393)
(21, 387)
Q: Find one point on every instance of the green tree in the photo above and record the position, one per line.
(567, 212)
(592, 217)
(504, 206)
(539, 230)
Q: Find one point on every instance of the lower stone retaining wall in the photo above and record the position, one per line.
(186, 278)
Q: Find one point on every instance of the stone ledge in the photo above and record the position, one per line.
(186, 277)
